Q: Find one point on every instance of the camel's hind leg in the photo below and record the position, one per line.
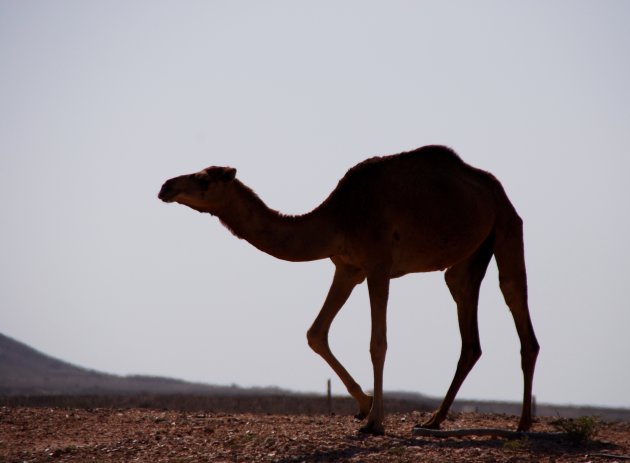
(509, 254)
(464, 280)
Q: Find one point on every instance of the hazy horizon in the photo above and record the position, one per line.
(267, 388)
(100, 103)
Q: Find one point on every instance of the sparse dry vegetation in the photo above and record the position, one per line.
(580, 430)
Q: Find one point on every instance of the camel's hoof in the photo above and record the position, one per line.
(364, 411)
(431, 423)
(432, 426)
(524, 425)
(372, 429)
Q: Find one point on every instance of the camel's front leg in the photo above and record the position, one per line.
(346, 278)
(378, 287)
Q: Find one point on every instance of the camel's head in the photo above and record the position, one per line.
(203, 191)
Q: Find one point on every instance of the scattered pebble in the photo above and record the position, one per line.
(42, 435)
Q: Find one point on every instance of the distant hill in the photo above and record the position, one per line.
(29, 377)
(25, 371)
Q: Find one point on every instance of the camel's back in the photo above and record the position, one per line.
(424, 199)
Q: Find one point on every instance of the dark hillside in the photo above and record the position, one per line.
(25, 371)
(31, 378)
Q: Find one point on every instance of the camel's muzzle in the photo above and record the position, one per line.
(167, 193)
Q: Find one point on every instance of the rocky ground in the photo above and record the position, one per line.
(29, 434)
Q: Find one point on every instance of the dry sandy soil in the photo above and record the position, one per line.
(126, 435)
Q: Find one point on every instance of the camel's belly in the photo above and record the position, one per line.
(439, 248)
(423, 261)
(414, 249)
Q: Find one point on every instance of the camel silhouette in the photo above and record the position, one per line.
(418, 211)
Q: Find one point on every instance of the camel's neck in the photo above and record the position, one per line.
(294, 238)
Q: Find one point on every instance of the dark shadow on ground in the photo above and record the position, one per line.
(398, 446)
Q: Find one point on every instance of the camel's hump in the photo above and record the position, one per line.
(429, 153)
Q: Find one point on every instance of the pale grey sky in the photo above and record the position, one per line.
(100, 102)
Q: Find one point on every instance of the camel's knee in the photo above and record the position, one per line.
(475, 353)
(529, 354)
(378, 347)
(317, 341)
(532, 347)
(470, 354)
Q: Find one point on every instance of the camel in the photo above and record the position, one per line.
(419, 211)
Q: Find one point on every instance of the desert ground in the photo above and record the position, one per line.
(41, 434)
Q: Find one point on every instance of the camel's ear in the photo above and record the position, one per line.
(228, 174)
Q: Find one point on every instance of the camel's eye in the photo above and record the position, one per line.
(202, 180)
